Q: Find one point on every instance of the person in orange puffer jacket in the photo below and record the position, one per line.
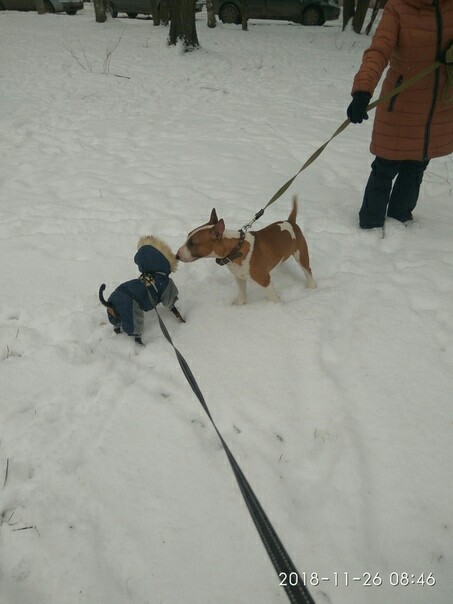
(416, 125)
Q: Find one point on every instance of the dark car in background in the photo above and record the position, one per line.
(52, 6)
(306, 12)
(132, 8)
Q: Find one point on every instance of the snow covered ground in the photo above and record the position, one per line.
(337, 402)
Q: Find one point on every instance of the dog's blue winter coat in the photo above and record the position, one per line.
(133, 297)
(150, 260)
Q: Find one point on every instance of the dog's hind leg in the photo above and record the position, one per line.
(311, 283)
(301, 257)
(177, 314)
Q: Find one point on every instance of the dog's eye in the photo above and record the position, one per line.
(190, 243)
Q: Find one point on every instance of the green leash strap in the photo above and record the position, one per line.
(410, 82)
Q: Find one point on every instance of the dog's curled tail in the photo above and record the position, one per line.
(101, 297)
(293, 215)
(110, 310)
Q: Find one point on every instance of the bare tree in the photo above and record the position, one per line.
(175, 22)
(355, 10)
(155, 12)
(360, 14)
(348, 11)
(377, 5)
(182, 24)
(245, 15)
(211, 13)
(164, 12)
(101, 10)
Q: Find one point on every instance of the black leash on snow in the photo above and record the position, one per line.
(284, 566)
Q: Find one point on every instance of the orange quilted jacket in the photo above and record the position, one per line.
(416, 124)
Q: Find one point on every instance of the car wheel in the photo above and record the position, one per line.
(72, 11)
(132, 15)
(50, 8)
(313, 15)
(113, 11)
(229, 13)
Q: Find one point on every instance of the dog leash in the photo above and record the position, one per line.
(290, 578)
(385, 97)
(235, 252)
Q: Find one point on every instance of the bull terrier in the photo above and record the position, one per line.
(250, 256)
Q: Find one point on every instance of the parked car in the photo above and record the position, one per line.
(52, 6)
(132, 8)
(306, 12)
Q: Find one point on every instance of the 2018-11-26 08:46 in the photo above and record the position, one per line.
(366, 579)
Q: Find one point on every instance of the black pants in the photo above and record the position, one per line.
(379, 197)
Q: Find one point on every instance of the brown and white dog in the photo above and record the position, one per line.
(254, 259)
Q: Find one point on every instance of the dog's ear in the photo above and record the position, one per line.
(213, 219)
(218, 229)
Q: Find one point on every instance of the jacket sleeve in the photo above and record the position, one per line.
(376, 58)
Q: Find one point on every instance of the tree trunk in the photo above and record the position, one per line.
(40, 8)
(182, 26)
(175, 22)
(348, 11)
(245, 15)
(360, 14)
(164, 12)
(211, 13)
(155, 12)
(377, 5)
(189, 28)
(99, 11)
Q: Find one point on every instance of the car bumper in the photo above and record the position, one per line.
(72, 5)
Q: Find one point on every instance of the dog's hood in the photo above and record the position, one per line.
(154, 256)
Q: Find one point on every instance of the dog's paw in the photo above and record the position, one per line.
(177, 314)
(311, 283)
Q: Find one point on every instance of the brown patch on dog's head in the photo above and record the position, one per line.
(200, 241)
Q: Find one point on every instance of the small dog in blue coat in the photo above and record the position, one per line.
(127, 304)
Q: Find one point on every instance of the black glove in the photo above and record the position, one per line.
(357, 109)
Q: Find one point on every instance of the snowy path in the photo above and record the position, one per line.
(336, 402)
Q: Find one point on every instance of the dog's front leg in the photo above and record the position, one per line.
(242, 289)
(271, 293)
